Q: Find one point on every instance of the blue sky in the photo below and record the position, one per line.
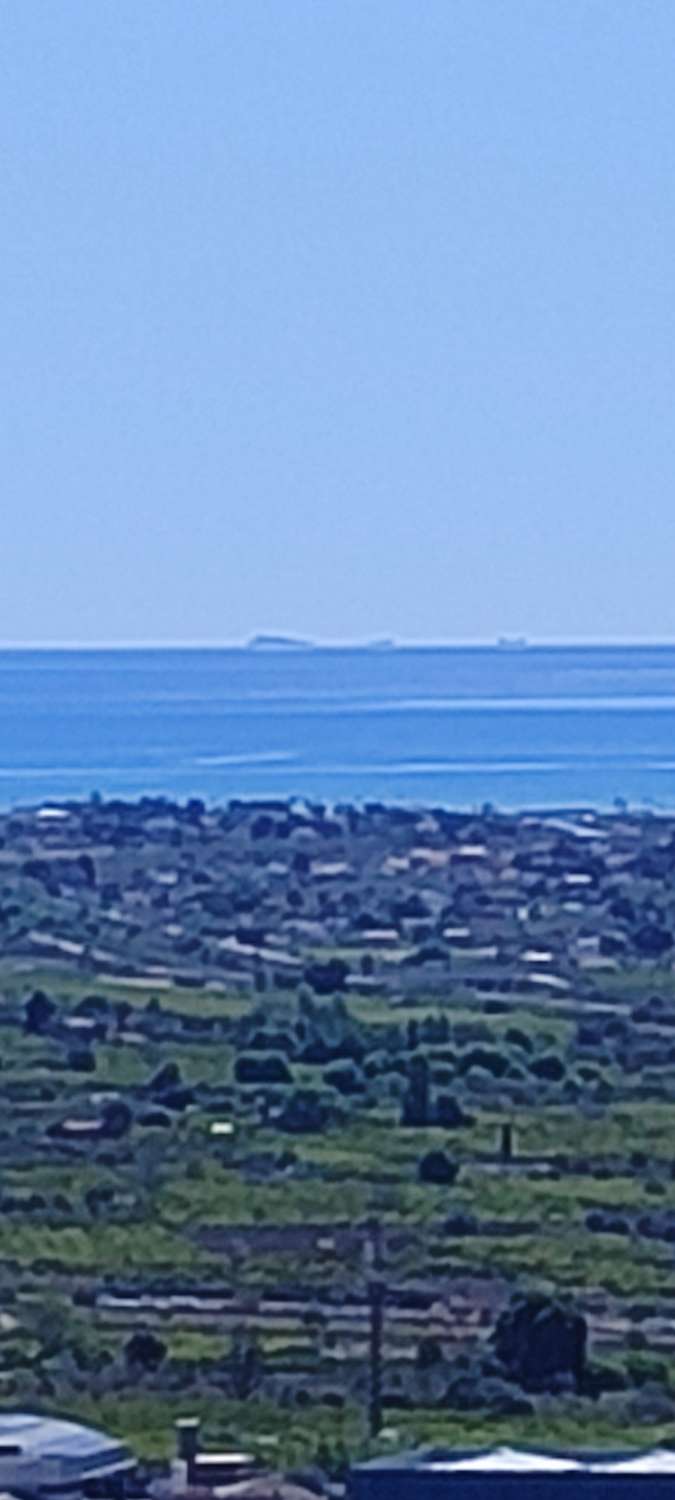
(337, 317)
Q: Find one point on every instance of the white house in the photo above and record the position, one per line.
(46, 1456)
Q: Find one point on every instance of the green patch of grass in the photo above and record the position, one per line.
(559, 1425)
(19, 980)
(99, 1247)
(282, 1438)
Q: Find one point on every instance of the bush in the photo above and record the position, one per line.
(144, 1351)
(245, 1364)
(117, 1118)
(517, 1038)
(304, 1111)
(460, 1224)
(537, 1339)
(328, 978)
(646, 1368)
(177, 1099)
(416, 1104)
(437, 1168)
(450, 1114)
(262, 1067)
(346, 1077)
(168, 1077)
(39, 1013)
(488, 1059)
(549, 1067)
(429, 1353)
(473, 1392)
(81, 1060)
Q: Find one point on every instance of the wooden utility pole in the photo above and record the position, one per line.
(376, 1295)
(506, 1143)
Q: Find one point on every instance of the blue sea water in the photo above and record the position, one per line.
(534, 727)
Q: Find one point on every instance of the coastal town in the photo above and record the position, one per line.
(392, 898)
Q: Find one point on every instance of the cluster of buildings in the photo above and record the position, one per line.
(41, 1456)
(155, 889)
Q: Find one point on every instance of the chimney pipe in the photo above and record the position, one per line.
(187, 1436)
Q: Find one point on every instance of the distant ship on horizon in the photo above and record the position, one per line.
(512, 643)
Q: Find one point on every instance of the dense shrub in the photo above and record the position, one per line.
(416, 1110)
(167, 1077)
(81, 1060)
(262, 1067)
(144, 1351)
(549, 1067)
(39, 1013)
(304, 1111)
(450, 1114)
(537, 1339)
(486, 1058)
(328, 978)
(346, 1077)
(438, 1168)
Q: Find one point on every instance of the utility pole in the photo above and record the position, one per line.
(506, 1143)
(376, 1295)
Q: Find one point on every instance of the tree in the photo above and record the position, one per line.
(450, 1114)
(81, 1060)
(245, 1364)
(538, 1339)
(144, 1352)
(548, 1066)
(262, 1067)
(429, 1353)
(437, 1168)
(326, 978)
(167, 1077)
(123, 1011)
(304, 1111)
(346, 1077)
(39, 1013)
(117, 1118)
(416, 1106)
(652, 941)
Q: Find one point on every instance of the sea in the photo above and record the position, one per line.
(517, 727)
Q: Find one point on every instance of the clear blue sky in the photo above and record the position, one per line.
(338, 317)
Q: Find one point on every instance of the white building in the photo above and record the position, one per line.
(515, 1474)
(41, 1456)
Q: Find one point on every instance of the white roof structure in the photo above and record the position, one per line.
(505, 1461)
(396, 1477)
(39, 1453)
(657, 1461)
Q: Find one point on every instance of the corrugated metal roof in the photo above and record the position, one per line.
(506, 1460)
(52, 1437)
(523, 1461)
(657, 1461)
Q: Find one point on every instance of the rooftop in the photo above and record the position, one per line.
(41, 1437)
(506, 1460)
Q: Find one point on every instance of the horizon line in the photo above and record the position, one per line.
(280, 643)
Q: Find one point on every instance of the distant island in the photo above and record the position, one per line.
(297, 643)
(512, 643)
(278, 643)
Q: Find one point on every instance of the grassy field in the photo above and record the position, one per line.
(168, 1186)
